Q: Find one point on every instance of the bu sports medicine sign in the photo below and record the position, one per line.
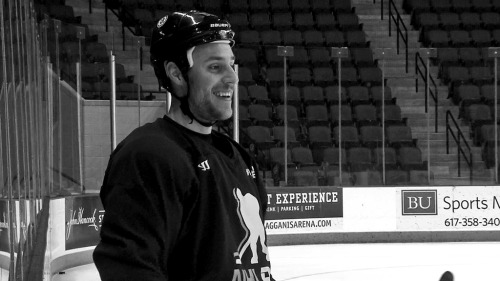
(419, 202)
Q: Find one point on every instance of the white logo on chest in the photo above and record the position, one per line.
(204, 166)
(251, 173)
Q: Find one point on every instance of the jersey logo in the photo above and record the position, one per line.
(248, 212)
(204, 166)
(251, 173)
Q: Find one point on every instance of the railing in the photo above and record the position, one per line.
(399, 23)
(458, 137)
(433, 94)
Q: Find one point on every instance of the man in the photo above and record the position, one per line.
(184, 202)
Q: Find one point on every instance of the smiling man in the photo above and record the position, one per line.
(183, 202)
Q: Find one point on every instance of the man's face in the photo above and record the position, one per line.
(212, 81)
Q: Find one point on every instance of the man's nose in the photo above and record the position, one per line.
(231, 76)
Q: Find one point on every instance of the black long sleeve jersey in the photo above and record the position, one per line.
(182, 206)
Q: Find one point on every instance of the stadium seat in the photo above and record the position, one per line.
(313, 38)
(260, 115)
(292, 38)
(300, 57)
(245, 76)
(247, 37)
(323, 76)
(292, 116)
(258, 6)
(449, 21)
(260, 21)
(261, 136)
(392, 114)
(370, 75)
(481, 5)
(348, 21)
(299, 6)
(481, 37)
(487, 92)
(349, 136)
(358, 95)
(293, 96)
(359, 159)
(356, 39)
(470, 20)
(459, 6)
(460, 38)
(411, 158)
(376, 94)
(365, 114)
(390, 159)
(259, 94)
(426, 21)
(282, 21)
(279, 6)
(320, 6)
(371, 136)
(440, 6)
(313, 95)
(320, 137)
(303, 158)
(342, 6)
(214, 6)
(274, 76)
(238, 6)
(346, 114)
(436, 38)
(349, 76)
(417, 6)
(334, 38)
(362, 57)
(278, 133)
(300, 76)
(304, 21)
(317, 115)
(331, 157)
(490, 20)
(332, 94)
(320, 57)
(399, 135)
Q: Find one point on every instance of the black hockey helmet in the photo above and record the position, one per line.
(177, 32)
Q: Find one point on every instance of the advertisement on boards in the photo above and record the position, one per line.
(304, 210)
(83, 221)
(469, 208)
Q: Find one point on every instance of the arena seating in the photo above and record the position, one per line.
(463, 30)
(311, 27)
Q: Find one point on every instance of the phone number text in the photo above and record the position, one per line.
(472, 222)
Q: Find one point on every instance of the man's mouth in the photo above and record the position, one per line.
(224, 94)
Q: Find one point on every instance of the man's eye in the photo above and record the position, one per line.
(214, 67)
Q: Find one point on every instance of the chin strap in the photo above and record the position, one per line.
(187, 111)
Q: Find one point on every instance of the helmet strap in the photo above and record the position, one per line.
(184, 106)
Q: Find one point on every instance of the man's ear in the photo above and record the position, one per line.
(174, 73)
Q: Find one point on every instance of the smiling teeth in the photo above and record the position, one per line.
(223, 94)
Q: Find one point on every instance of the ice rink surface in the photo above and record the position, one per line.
(476, 261)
